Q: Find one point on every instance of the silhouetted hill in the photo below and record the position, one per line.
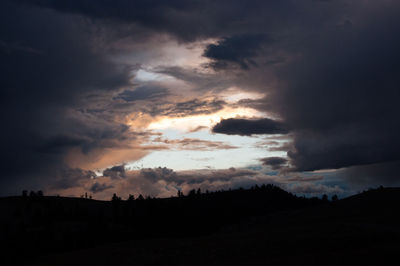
(386, 196)
(39, 225)
(261, 226)
(374, 205)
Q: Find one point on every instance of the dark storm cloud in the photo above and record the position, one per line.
(152, 14)
(58, 143)
(246, 127)
(115, 172)
(341, 95)
(10, 47)
(274, 162)
(184, 19)
(238, 49)
(336, 85)
(47, 67)
(342, 148)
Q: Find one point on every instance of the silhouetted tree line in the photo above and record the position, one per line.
(193, 193)
(32, 193)
(57, 223)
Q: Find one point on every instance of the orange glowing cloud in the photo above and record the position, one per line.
(102, 158)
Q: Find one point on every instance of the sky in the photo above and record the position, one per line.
(152, 97)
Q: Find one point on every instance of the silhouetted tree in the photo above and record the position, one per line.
(116, 206)
(32, 194)
(198, 191)
(115, 198)
(335, 198)
(325, 197)
(192, 193)
(40, 193)
(180, 194)
(131, 197)
(24, 193)
(140, 197)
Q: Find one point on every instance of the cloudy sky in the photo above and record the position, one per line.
(152, 97)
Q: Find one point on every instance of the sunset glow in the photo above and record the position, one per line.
(301, 91)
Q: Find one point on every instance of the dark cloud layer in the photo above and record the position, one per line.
(185, 20)
(154, 14)
(329, 70)
(338, 85)
(47, 68)
(238, 49)
(342, 94)
(236, 126)
(274, 162)
(115, 172)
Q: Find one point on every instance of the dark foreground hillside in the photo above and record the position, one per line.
(260, 227)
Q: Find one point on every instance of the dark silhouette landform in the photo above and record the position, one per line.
(264, 225)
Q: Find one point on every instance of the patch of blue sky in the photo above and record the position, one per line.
(195, 159)
(244, 155)
(144, 75)
(235, 140)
